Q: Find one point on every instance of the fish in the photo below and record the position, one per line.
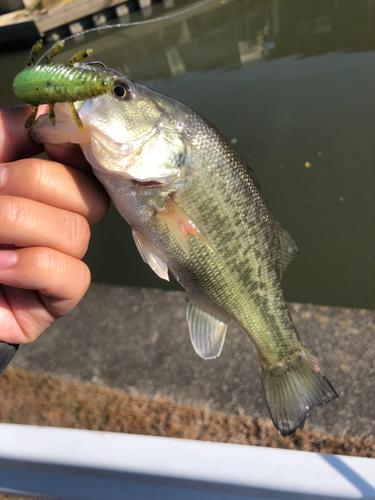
(196, 210)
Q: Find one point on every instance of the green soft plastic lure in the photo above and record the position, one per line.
(48, 82)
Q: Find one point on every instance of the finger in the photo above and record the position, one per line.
(26, 223)
(23, 315)
(60, 279)
(55, 185)
(69, 154)
(15, 142)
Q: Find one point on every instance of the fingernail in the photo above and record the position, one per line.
(7, 258)
(3, 173)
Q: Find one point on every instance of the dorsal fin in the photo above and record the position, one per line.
(288, 247)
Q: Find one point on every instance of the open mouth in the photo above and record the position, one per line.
(137, 183)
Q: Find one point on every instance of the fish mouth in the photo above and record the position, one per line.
(119, 149)
(119, 159)
(119, 165)
(137, 183)
(87, 111)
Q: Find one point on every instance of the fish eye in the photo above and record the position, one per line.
(121, 90)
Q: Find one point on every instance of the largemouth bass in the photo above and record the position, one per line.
(196, 210)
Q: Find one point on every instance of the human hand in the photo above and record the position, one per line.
(46, 208)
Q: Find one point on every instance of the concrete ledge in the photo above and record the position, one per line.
(88, 465)
(137, 339)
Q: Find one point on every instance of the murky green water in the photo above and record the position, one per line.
(292, 85)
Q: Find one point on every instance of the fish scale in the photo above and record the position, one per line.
(240, 310)
(196, 209)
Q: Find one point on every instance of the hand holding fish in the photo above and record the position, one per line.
(45, 211)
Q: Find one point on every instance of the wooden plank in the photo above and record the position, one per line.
(66, 14)
(13, 29)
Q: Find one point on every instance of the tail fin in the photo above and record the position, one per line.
(292, 391)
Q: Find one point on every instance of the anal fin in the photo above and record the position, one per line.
(207, 330)
(151, 255)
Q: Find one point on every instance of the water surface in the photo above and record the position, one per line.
(291, 84)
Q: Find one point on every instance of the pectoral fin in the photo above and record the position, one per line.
(180, 224)
(151, 255)
(207, 330)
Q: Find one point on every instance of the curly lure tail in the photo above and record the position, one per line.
(292, 391)
(48, 83)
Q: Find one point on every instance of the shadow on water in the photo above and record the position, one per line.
(363, 486)
(290, 84)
